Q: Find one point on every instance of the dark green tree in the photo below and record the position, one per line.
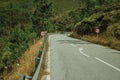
(101, 2)
(15, 30)
(43, 11)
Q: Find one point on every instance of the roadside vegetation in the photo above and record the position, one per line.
(26, 64)
(21, 22)
(63, 6)
(16, 32)
(107, 20)
(92, 15)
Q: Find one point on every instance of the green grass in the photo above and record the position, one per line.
(65, 5)
(4, 3)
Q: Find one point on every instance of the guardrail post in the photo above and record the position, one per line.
(26, 77)
(22, 77)
(40, 53)
(37, 59)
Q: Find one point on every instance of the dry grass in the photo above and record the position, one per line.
(26, 63)
(109, 41)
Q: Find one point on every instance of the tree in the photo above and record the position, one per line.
(101, 2)
(43, 11)
(15, 30)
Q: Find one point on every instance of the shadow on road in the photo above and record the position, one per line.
(72, 42)
(117, 52)
(113, 52)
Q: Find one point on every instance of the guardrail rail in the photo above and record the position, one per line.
(38, 61)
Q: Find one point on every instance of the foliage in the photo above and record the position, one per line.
(61, 6)
(62, 23)
(20, 22)
(102, 20)
(43, 11)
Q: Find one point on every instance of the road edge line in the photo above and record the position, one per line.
(73, 45)
(48, 61)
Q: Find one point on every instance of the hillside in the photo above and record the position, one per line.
(108, 21)
(21, 22)
(92, 14)
(65, 5)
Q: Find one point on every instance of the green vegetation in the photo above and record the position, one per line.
(15, 31)
(65, 5)
(104, 17)
(20, 24)
(91, 14)
(41, 15)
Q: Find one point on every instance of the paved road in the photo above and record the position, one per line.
(72, 59)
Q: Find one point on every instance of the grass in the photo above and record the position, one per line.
(65, 5)
(109, 41)
(26, 63)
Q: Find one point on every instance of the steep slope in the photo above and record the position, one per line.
(107, 20)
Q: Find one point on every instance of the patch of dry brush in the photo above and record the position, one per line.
(26, 63)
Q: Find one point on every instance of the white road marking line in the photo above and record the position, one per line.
(48, 77)
(108, 64)
(73, 45)
(48, 61)
(80, 49)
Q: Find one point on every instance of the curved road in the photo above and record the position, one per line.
(73, 59)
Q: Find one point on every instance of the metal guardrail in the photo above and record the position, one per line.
(38, 61)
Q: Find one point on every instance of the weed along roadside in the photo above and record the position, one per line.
(39, 63)
(26, 63)
(103, 40)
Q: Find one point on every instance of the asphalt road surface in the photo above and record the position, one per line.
(73, 59)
